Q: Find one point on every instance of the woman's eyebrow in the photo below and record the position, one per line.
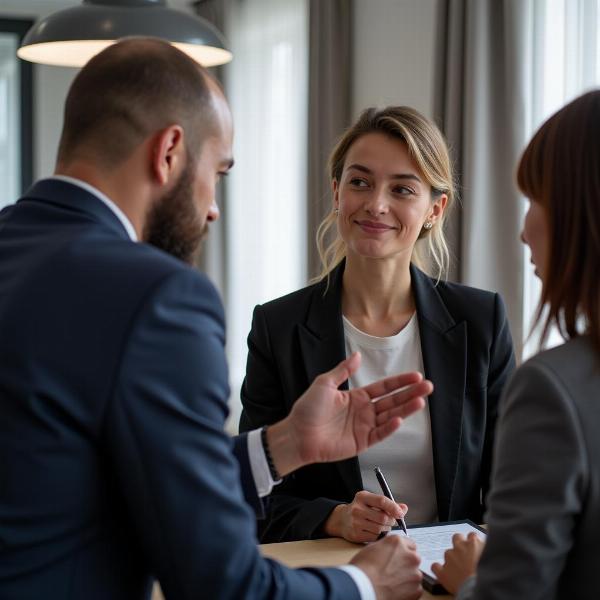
(359, 167)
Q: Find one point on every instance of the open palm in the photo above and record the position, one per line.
(331, 424)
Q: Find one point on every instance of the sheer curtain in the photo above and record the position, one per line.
(329, 105)
(484, 115)
(566, 59)
(266, 192)
(508, 65)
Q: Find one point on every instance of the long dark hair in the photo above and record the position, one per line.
(560, 169)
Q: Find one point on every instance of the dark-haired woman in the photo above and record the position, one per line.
(392, 188)
(544, 505)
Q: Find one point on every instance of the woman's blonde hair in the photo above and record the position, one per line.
(427, 147)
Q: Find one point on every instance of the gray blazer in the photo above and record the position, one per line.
(544, 504)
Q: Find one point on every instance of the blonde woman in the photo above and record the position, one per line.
(392, 187)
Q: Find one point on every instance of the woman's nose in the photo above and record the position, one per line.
(377, 203)
(523, 238)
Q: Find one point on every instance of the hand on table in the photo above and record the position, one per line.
(392, 565)
(364, 518)
(460, 562)
(328, 424)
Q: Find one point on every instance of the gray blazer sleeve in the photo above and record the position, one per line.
(538, 482)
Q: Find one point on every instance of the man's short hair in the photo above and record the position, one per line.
(127, 92)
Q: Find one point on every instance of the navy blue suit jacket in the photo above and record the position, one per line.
(114, 466)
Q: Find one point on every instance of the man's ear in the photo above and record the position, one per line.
(167, 154)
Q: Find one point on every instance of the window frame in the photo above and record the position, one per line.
(26, 95)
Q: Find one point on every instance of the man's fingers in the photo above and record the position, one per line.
(384, 430)
(437, 569)
(409, 544)
(405, 394)
(385, 386)
(402, 411)
(343, 370)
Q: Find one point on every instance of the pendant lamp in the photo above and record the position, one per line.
(70, 37)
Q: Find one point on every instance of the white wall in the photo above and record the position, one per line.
(395, 44)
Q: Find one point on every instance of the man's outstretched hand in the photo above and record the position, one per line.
(328, 424)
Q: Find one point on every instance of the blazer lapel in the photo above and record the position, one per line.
(322, 346)
(444, 348)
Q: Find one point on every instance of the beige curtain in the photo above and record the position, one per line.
(484, 92)
(329, 105)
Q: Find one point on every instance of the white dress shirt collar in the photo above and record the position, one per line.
(103, 198)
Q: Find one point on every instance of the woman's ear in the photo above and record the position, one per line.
(335, 193)
(437, 208)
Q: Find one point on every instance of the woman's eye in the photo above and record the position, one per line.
(356, 182)
(403, 190)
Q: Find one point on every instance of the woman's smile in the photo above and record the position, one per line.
(374, 227)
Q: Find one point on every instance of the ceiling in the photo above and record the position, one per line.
(41, 8)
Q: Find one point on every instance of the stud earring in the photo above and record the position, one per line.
(428, 225)
(336, 211)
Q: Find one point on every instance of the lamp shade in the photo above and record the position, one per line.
(70, 37)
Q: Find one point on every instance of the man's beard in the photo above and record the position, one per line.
(173, 223)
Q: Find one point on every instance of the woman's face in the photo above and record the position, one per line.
(383, 198)
(535, 235)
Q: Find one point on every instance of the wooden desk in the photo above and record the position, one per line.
(330, 552)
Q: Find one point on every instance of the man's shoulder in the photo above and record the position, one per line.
(139, 265)
(124, 276)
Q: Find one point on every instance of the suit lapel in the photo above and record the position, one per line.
(444, 348)
(322, 346)
(322, 334)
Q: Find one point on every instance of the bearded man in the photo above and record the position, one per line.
(114, 466)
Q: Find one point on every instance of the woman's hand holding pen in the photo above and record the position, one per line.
(364, 518)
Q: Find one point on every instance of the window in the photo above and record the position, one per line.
(15, 113)
(267, 86)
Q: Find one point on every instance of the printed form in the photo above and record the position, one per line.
(433, 540)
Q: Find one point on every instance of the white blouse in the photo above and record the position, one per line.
(405, 457)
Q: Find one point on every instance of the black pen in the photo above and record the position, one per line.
(385, 488)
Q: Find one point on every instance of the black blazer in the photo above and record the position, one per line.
(467, 353)
(114, 466)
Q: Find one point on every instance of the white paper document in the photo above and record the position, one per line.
(433, 541)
